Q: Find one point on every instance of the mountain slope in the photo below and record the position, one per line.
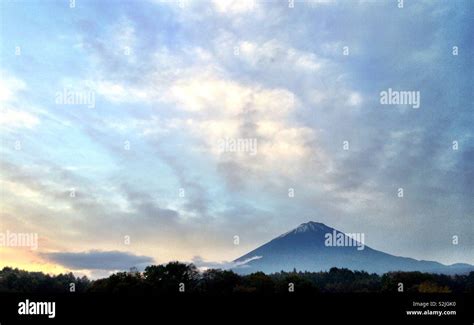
(304, 248)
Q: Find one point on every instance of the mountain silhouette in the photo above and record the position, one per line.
(314, 247)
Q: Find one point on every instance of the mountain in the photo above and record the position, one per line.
(313, 246)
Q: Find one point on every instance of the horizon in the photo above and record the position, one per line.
(143, 132)
(230, 265)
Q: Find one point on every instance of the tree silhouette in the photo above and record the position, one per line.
(170, 278)
(218, 282)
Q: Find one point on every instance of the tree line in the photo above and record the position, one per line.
(176, 278)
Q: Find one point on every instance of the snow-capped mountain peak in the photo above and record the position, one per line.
(310, 226)
(306, 248)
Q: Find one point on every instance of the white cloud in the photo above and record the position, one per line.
(211, 94)
(224, 265)
(11, 116)
(9, 86)
(116, 92)
(17, 119)
(221, 108)
(196, 82)
(354, 99)
(233, 7)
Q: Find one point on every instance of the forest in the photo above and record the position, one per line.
(180, 278)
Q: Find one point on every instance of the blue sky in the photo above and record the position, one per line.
(171, 79)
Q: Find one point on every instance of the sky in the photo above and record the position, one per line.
(140, 132)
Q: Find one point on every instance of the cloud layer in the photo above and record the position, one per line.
(99, 260)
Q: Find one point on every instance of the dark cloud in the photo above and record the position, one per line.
(99, 260)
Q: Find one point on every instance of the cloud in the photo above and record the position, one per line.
(220, 107)
(9, 86)
(12, 113)
(17, 119)
(233, 7)
(224, 108)
(99, 260)
(224, 265)
(275, 53)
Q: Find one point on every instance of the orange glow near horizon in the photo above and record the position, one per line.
(25, 259)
